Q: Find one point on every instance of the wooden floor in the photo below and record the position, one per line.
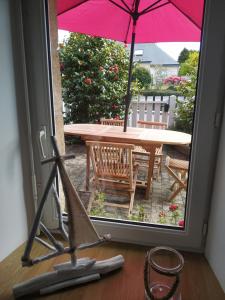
(198, 281)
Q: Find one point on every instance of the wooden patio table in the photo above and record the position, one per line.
(149, 139)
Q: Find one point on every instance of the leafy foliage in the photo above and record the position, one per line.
(190, 64)
(98, 208)
(185, 109)
(141, 75)
(172, 215)
(154, 92)
(94, 78)
(173, 80)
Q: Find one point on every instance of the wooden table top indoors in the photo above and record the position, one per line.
(198, 282)
(149, 139)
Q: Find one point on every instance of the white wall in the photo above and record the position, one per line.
(13, 220)
(215, 248)
(166, 70)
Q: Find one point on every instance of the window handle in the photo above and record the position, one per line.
(42, 136)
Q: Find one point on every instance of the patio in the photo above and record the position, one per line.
(90, 103)
(155, 210)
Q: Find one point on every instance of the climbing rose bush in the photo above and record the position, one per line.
(181, 223)
(173, 80)
(172, 215)
(94, 78)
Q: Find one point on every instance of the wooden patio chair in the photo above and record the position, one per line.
(151, 124)
(113, 122)
(178, 169)
(143, 154)
(114, 170)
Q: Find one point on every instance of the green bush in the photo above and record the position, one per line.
(172, 88)
(155, 92)
(94, 78)
(141, 75)
(190, 65)
(184, 115)
(185, 109)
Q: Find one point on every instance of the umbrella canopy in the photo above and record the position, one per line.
(130, 21)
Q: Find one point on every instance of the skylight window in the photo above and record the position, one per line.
(138, 52)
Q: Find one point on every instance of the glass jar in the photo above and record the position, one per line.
(162, 274)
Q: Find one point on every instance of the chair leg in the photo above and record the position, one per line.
(159, 170)
(133, 193)
(88, 162)
(174, 194)
(173, 185)
(160, 165)
(131, 203)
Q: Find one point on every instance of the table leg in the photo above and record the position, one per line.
(150, 149)
(87, 167)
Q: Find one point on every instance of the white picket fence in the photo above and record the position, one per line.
(152, 108)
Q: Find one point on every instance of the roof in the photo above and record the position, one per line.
(151, 53)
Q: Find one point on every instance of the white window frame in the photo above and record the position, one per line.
(205, 138)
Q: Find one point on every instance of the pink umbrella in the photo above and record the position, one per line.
(130, 21)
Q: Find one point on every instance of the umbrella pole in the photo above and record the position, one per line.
(128, 95)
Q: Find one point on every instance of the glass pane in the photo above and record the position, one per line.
(151, 186)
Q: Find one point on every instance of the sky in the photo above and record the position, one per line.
(173, 49)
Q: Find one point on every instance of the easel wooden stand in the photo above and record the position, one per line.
(81, 234)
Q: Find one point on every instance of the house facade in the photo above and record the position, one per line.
(156, 61)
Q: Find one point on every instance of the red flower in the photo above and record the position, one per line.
(117, 117)
(173, 207)
(114, 69)
(181, 223)
(101, 68)
(88, 80)
(62, 67)
(116, 78)
(173, 80)
(114, 106)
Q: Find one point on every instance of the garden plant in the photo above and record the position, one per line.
(185, 108)
(94, 78)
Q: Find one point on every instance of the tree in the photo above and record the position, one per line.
(141, 75)
(94, 78)
(185, 109)
(183, 55)
(190, 65)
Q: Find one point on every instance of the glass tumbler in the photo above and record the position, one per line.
(162, 274)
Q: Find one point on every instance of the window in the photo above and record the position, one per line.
(203, 149)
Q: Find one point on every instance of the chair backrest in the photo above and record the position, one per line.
(112, 161)
(113, 122)
(177, 164)
(152, 125)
